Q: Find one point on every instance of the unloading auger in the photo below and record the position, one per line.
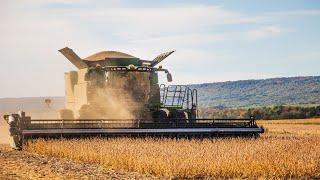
(116, 94)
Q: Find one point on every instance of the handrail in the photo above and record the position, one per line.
(117, 120)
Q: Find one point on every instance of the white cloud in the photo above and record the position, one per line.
(265, 32)
(31, 34)
(191, 78)
(312, 55)
(309, 12)
(193, 39)
(147, 23)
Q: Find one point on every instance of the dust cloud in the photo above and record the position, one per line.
(121, 96)
(4, 132)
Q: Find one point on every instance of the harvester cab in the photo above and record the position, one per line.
(114, 93)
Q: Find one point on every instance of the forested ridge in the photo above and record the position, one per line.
(258, 93)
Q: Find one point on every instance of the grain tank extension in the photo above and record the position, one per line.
(117, 94)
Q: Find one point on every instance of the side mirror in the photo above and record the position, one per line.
(169, 77)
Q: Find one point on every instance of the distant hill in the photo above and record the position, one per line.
(244, 93)
(266, 92)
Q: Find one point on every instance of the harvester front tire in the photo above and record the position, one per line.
(178, 116)
(160, 116)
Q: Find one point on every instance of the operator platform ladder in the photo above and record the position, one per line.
(178, 96)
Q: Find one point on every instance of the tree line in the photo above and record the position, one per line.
(272, 112)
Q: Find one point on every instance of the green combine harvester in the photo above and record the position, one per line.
(116, 94)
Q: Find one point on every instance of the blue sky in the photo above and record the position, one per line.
(214, 40)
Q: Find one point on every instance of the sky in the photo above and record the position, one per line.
(214, 40)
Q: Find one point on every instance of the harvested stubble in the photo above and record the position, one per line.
(266, 157)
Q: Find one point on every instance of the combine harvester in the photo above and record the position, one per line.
(116, 94)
